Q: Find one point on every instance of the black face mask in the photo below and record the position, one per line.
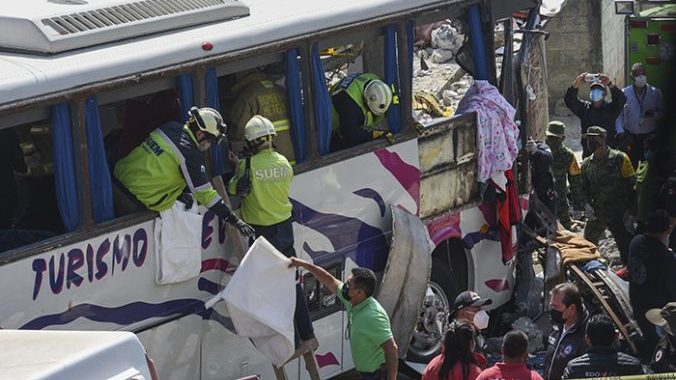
(346, 292)
(556, 317)
(554, 143)
(592, 145)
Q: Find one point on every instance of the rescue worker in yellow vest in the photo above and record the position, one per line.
(169, 166)
(257, 94)
(263, 180)
(360, 101)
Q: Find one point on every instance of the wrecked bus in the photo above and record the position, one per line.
(79, 76)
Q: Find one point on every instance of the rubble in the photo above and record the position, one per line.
(535, 335)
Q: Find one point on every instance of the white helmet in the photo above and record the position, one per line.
(378, 96)
(258, 127)
(208, 120)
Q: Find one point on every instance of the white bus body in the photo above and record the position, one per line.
(106, 281)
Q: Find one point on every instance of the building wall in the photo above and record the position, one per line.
(612, 39)
(574, 32)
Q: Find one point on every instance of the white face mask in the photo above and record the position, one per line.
(481, 319)
(640, 81)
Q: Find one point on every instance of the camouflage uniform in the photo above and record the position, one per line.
(607, 185)
(565, 169)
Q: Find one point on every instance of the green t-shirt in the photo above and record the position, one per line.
(268, 202)
(369, 328)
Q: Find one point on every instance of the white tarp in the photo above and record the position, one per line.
(261, 300)
(178, 244)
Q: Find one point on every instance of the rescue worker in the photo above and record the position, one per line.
(359, 105)
(664, 358)
(595, 111)
(567, 340)
(565, 169)
(257, 94)
(541, 172)
(168, 166)
(607, 184)
(263, 181)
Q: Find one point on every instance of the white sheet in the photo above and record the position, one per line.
(178, 248)
(261, 300)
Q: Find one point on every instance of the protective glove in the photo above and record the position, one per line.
(589, 211)
(531, 146)
(629, 221)
(244, 228)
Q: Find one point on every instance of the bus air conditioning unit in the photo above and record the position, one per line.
(54, 26)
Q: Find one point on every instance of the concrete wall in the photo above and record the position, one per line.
(612, 40)
(574, 33)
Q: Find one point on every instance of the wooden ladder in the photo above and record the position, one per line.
(306, 350)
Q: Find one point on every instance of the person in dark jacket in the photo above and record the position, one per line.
(596, 111)
(664, 357)
(567, 340)
(651, 270)
(601, 359)
(541, 171)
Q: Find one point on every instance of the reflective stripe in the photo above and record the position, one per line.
(214, 201)
(181, 159)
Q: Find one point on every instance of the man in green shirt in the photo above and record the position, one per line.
(371, 341)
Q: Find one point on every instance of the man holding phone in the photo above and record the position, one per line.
(595, 111)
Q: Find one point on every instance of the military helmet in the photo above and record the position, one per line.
(378, 96)
(257, 127)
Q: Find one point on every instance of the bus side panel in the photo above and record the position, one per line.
(344, 207)
(108, 282)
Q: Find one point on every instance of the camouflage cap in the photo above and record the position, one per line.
(596, 131)
(556, 128)
(664, 318)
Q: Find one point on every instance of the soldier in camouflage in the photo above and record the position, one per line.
(607, 190)
(566, 170)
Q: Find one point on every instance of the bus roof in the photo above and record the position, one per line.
(23, 76)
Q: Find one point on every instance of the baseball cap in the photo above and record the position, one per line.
(595, 131)
(597, 85)
(556, 128)
(470, 298)
(664, 318)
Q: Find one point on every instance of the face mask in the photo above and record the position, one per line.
(346, 292)
(556, 317)
(592, 145)
(640, 81)
(554, 143)
(595, 94)
(481, 319)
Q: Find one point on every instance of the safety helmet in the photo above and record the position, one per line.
(378, 96)
(258, 127)
(208, 120)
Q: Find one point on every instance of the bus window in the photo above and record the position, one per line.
(439, 81)
(28, 212)
(353, 67)
(125, 124)
(320, 301)
(257, 91)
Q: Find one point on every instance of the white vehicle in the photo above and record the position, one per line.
(74, 75)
